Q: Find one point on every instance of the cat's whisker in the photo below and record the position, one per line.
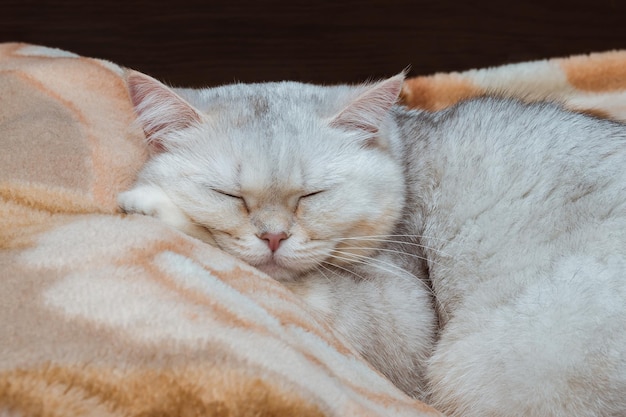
(399, 235)
(369, 261)
(400, 242)
(343, 269)
(437, 251)
(388, 266)
(320, 264)
(317, 268)
(429, 261)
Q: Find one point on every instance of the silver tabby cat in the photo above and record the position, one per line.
(476, 256)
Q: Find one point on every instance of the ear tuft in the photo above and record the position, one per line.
(367, 112)
(159, 109)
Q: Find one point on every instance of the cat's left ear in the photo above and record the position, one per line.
(367, 112)
(159, 109)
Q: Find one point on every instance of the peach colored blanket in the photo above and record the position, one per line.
(104, 314)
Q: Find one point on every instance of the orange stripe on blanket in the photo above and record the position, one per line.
(205, 390)
(52, 199)
(598, 72)
(248, 284)
(29, 208)
(437, 91)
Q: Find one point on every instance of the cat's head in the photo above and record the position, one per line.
(286, 176)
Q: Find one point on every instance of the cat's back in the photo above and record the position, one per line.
(523, 207)
(510, 189)
(509, 170)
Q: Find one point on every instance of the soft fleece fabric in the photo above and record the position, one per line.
(105, 314)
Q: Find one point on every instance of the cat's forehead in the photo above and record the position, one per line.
(275, 100)
(272, 170)
(271, 134)
(271, 119)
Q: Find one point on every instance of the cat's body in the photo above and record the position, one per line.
(514, 213)
(522, 211)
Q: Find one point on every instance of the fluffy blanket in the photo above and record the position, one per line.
(104, 314)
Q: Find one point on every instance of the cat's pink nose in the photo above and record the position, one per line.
(274, 239)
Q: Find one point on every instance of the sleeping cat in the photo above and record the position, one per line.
(512, 215)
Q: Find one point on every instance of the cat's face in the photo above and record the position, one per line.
(283, 175)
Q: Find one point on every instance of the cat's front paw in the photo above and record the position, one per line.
(141, 200)
(152, 201)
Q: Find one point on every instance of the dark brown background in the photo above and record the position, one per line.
(201, 43)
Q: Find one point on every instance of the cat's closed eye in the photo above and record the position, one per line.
(312, 194)
(226, 193)
(305, 198)
(231, 195)
(309, 195)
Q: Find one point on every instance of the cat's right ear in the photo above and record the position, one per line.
(367, 112)
(159, 109)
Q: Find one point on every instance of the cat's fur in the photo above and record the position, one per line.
(247, 160)
(519, 211)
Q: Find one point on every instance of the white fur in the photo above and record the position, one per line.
(514, 213)
(151, 200)
(321, 164)
(246, 168)
(523, 211)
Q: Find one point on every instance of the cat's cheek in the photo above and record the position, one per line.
(348, 212)
(243, 244)
(318, 222)
(200, 233)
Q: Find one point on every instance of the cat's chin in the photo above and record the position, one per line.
(279, 273)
